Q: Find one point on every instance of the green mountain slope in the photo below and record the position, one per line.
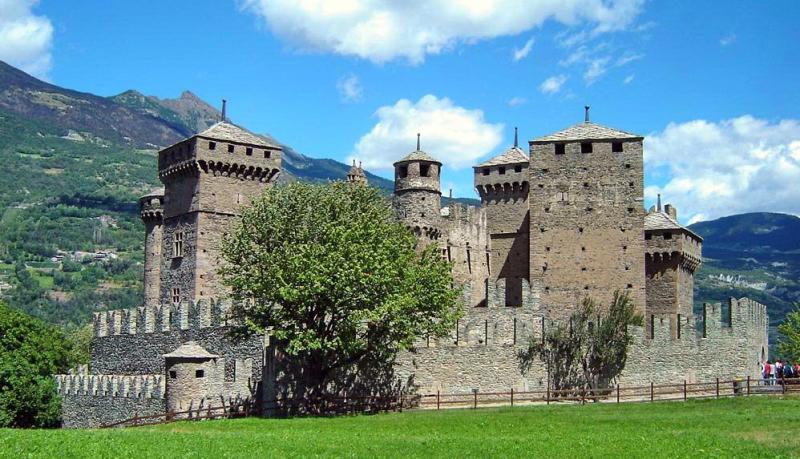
(755, 255)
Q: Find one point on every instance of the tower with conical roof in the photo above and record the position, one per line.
(207, 179)
(417, 194)
(587, 215)
(502, 183)
(356, 174)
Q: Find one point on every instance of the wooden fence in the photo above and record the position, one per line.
(349, 405)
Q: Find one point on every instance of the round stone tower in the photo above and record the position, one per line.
(417, 194)
(152, 212)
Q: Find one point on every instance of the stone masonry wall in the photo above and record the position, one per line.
(133, 341)
(587, 224)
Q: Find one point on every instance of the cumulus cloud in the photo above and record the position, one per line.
(25, 38)
(349, 87)
(714, 169)
(522, 53)
(454, 135)
(553, 84)
(385, 30)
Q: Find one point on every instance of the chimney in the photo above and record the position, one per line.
(586, 113)
(224, 103)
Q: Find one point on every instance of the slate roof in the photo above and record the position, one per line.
(513, 155)
(662, 221)
(190, 350)
(418, 155)
(226, 131)
(586, 131)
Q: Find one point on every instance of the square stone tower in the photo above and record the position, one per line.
(502, 183)
(673, 253)
(587, 217)
(207, 179)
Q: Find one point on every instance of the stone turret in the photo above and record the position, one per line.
(356, 174)
(207, 178)
(151, 210)
(502, 183)
(587, 215)
(672, 254)
(417, 194)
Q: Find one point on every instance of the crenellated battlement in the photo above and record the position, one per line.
(124, 386)
(162, 318)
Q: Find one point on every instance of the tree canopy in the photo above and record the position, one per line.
(31, 352)
(789, 329)
(334, 278)
(590, 350)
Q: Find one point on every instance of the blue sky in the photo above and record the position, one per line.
(713, 88)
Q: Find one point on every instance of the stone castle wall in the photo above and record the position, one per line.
(587, 222)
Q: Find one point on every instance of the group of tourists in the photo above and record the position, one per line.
(781, 369)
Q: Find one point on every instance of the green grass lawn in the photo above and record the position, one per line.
(743, 427)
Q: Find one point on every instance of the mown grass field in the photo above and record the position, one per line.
(744, 427)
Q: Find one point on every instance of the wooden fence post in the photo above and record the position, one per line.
(717, 387)
(748, 385)
(684, 390)
(548, 391)
(512, 397)
(617, 393)
(783, 383)
(437, 399)
(475, 399)
(651, 391)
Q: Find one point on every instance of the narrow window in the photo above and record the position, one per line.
(616, 147)
(586, 147)
(248, 151)
(502, 170)
(230, 148)
(667, 235)
(560, 149)
(267, 154)
(176, 298)
(648, 236)
(449, 254)
(679, 326)
(212, 145)
(424, 170)
(177, 244)
(173, 374)
(627, 165)
(652, 326)
(517, 168)
(485, 171)
(488, 265)
(199, 373)
(402, 171)
(469, 262)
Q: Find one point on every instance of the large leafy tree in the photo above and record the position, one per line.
(30, 353)
(334, 279)
(590, 350)
(789, 329)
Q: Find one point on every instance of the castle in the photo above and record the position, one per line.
(556, 224)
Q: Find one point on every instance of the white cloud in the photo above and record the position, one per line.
(553, 84)
(628, 79)
(349, 87)
(516, 101)
(743, 164)
(25, 39)
(522, 53)
(454, 135)
(627, 59)
(385, 30)
(728, 39)
(597, 68)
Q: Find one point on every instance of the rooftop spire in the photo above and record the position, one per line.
(516, 139)
(659, 202)
(418, 149)
(586, 115)
(224, 103)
